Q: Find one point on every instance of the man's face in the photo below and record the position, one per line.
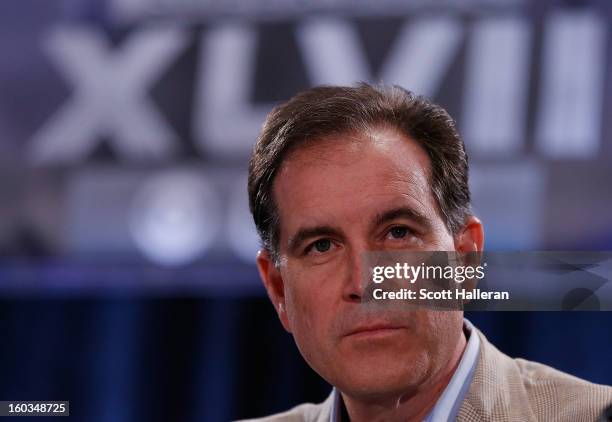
(337, 199)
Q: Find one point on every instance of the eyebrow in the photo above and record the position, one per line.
(303, 234)
(401, 212)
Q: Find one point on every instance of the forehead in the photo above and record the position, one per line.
(382, 144)
(351, 175)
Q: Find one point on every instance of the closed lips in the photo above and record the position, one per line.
(374, 327)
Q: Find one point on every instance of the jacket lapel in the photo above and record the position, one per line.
(497, 392)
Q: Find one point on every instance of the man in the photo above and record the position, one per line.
(340, 172)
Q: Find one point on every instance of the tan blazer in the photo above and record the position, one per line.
(503, 389)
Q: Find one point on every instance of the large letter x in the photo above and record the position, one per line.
(110, 95)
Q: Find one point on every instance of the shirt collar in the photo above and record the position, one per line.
(447, 406)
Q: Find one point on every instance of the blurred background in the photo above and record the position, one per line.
(127, 278)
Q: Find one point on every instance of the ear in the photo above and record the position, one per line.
(469, 243)
(274, 284)
(471, 236)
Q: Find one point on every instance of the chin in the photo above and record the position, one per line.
(382, 378)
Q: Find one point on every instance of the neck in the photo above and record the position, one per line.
(409, 407)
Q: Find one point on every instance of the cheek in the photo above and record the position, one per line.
(444, 328)
(299, 310)
(310, 295)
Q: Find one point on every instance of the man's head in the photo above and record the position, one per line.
(338, 172)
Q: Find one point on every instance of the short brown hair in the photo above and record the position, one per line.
(324, 111)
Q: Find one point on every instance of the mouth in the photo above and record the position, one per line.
(375, 330)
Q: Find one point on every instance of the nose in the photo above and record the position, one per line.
(356, 275)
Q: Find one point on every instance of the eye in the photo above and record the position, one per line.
(401, 237)
(319, 246)
(399, 232)
(322, 245)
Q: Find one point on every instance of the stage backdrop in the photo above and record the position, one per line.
(127, 282)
